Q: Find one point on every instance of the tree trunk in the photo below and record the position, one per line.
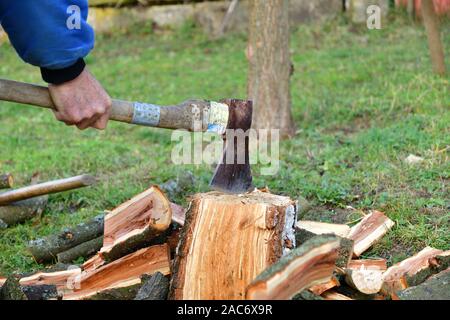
(227, 241)
(430, 20)
(270, 66)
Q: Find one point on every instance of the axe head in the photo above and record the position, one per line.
(233, 174)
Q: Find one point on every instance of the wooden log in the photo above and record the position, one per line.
(333, 295)
(377, 264)
(6, 181)
(46, 249)
(134, 223)
(21, 211)
(408, 272)
(435, 288)
(316, 227)
(154, 287)
(369, 230)
(227, 240)
(121, 278)
(62, 280)
(85, 249)
(318, 289)
(345, 249)
(49, 187)
(310, 264)
(11, 290)
(367, 281)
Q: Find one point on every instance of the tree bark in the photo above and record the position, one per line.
(11, 290)
(270, 66)
(154, 287)
(21, 211)
(308, 265)
(227, 241)
(431, 22)
(46, 249)
(85, 249)
(435, 288)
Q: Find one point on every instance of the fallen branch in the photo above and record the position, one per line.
(85, 249)
(46, 188)
(121, 279)
(369, 230)
(228, 240)
(310, 264)
(46, 249)
(22, 211)
(134, 223)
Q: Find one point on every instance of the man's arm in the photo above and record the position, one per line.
(55, 36)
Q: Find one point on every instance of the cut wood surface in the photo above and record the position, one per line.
(21, 211)
(321, 288)
(310, 264)
(316, 227)
(369, 230)
(435, 288)
(367, 281)
(6, 181)
(49, 187)
(178, 214)
(396, 277)
(61, 280)
(228, 240)
(134, 223)
(377, 264)
(46, 249)
(85, 249)
(333, 295)
(93, 263)
(123, 274)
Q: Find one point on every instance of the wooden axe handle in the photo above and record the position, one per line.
(189, 115)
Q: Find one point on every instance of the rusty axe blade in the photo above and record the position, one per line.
(233, 173)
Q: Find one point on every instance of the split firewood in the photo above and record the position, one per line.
(21, 211)
(12, 290)
(318, 289)
(6, 181)
(308, 265)
(377, 264)
(345, 248)
(178, 214)
(316, 227)
(85, 249)
(414, 270)
(228, 240)
(134, 223)
(46, 249)
(154, 287)
(369, 230)
(93, 263)
(435, 288)
(49, 187)
(333, 295)
(121, 279)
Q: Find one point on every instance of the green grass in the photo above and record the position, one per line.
(362, 100)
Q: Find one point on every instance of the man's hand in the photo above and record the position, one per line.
(82, 102)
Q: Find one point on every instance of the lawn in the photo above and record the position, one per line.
(363, 100)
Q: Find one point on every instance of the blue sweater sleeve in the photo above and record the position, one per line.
(48, 33)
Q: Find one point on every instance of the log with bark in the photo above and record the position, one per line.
(12, 290)
(154, 287)
(369, 230)
(6, 181)
(121, 279)
(366, 275)
(227, 240)
(436, 287)
(22, 211)
(46, 249)
(414, 270)
(310, 264)
(135, 223)
(49, 187)
(84, 250)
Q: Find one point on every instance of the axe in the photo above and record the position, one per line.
(232, 175)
